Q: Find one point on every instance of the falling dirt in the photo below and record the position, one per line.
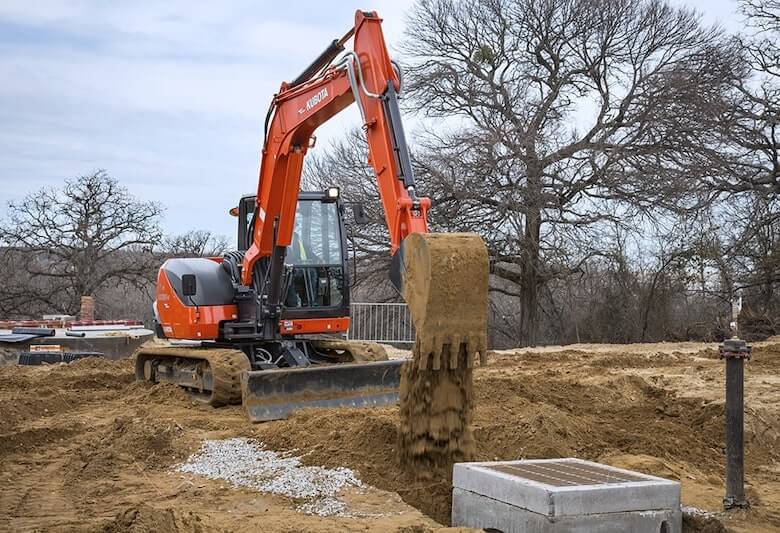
(445, 287)
(436, 412)
(84, 448)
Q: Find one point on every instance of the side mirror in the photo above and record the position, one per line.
(359, 212)
(189, 286)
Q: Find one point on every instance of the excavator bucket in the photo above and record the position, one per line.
(275, 394)
(444, 279)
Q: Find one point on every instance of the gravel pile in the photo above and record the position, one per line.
(244, 463)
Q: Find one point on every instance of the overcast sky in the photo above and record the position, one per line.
(169, 97)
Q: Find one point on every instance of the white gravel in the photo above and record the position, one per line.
(695, 511)
(246, 463)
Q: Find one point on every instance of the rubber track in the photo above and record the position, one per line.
(226, 368)
(360, 351)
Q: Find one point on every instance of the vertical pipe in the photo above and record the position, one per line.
(735, 352)
(735, 452)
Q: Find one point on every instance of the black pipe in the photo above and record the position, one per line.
(41, 332)
(735, 352)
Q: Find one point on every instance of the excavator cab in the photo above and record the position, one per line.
(316, 284)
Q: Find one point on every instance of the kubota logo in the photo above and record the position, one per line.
(314, 100)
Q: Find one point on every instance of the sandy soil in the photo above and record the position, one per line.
(83, 447)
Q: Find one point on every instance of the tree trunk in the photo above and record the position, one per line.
(530, 262)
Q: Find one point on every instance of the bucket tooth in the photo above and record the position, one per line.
(454, 350)
(423, 355)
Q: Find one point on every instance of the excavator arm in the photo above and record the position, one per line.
(366, 76)
(442, 277)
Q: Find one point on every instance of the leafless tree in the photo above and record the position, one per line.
(79, 239)
(738, 152)
(548, 108)
(763, 17)
(194, 243)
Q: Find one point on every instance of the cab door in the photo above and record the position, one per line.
(316, 280)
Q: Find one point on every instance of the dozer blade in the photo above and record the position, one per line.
(444, 279)
(275, 394)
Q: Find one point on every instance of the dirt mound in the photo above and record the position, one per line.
(144, 392)
(32, 392)
(693, 523)
(519, 418)
(83, 374)
(148, 442)
(143, 518)
(765, 357)
(28, 439)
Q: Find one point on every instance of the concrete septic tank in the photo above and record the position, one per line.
(557, 495)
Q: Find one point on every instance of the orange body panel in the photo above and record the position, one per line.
(301, 326)
(180, 321)
(299, 111)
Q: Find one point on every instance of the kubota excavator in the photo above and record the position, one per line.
(254, 318)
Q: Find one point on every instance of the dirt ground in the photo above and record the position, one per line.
(84, 448)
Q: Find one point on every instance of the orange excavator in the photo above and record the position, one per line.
(265, 325)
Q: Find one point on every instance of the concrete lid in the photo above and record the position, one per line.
(564, 487)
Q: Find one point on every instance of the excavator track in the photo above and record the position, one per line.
(212, 375)
(352, 351)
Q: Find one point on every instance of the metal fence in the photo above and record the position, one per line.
(381, 322)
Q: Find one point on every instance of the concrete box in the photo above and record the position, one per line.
(562, 495)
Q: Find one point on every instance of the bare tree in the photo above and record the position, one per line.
(194, 243)
(738, 128)
(552, 106)
(763, 17)
(79, 239)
